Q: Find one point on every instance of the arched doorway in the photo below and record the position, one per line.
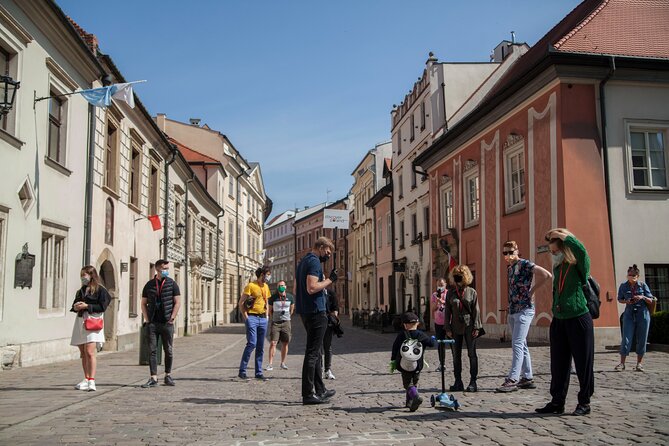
(108, 279)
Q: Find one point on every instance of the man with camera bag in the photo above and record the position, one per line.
(253, 307)
(310, 304)
(281, 307)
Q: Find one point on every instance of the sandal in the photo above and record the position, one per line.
(620, 367)
(639, 368)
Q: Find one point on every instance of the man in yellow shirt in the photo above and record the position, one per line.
(253, 307)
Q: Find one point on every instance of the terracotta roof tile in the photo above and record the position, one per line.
(190, 154)
(633, 28)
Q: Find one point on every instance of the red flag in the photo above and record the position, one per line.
(155, 222)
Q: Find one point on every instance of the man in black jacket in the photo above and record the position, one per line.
(161, 300)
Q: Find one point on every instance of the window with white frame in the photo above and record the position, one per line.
(57, 127)
(379, 235)
(9, 67)
(446, 207)
(53, 269)
(647, 156)
(4, 214)
(231, 235)
(472, 196)
(514, 177)
(389, 228)
(400, 187)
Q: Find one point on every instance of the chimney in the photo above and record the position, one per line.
(195, 121)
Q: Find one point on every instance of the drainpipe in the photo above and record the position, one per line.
(217, 269)
(237, 204)
(187, 237)
(167, 197)
(90, 169)
(392, 239)
(605, 152)
(443, 88)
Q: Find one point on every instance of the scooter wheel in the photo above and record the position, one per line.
(432, 402)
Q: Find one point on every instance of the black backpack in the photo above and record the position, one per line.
(591, 292)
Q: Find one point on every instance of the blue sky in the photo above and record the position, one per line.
(304, 87)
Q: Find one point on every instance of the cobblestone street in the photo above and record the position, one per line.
(209, 405)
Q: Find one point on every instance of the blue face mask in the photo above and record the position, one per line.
(165, 273)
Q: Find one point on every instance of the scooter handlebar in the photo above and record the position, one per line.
(445, 341)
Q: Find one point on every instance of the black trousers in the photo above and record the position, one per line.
(166, 333)
(440, 333)
(468, 339)
(312, 367)
(410, 379)
(327, 347)
(572, 338)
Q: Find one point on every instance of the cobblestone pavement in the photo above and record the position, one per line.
(210, 406)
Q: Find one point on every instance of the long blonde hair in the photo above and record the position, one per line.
(569, 256)
(93, 274)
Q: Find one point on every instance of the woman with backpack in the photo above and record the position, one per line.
(571, 331)
(636, 319)
(462, 322)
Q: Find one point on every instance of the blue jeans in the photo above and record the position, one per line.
(256, 327)
(519, 323)
(635, 322)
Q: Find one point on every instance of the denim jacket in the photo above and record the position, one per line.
(625, 292)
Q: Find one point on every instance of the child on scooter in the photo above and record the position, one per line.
(407, 357)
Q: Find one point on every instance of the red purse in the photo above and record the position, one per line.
(94, 323)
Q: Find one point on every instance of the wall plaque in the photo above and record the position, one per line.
(23, 270)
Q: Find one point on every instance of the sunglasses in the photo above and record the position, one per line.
(508, 253)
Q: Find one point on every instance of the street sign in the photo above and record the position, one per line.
(335, 218)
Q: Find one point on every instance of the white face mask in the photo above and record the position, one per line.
(440, 288)
(557, 258)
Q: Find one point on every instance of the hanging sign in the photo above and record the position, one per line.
(335, 218)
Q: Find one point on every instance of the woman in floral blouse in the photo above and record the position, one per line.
(524, 278)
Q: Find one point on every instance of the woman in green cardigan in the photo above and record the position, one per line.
(571, 331)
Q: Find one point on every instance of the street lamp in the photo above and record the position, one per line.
(179, 231)
(8, 87)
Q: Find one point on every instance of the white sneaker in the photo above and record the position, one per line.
(91, 385)
(83, 385)
(269, 367)
(284, 366)
(329, 375)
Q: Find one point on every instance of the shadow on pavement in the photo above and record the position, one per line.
(214, 401)
(437, 415)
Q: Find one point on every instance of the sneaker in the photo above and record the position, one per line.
(150, 383)
(269, 367)
(620, 367)
(169, 381)
(639, 368)
(526, 383)
(83, 385)
(284, 366)
(415, 402)
(91, 385)
(510, 385)
(581, 409)
(328, 374)
(439, 369)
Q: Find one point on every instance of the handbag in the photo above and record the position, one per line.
(652, 305)
(481, 332)
(94, 322)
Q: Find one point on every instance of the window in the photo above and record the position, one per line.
(3, 242)
(211, 247)
(109, 222)
(400, 188)
(57, 128)
(399, 140)
(371, 242)
(413, 128)
(154, 188)
(132, 288)
(648, 157)
(111, 155)
(389, 228)
(309, 240)
(422, 115)
(413, 179)
(9, 67)
(401, 234)
(53, 269)
(657, 279)
(239, 238)
(231, 186)
(426, 223)
(231, 235)
(381, 299)
(414, 228)
(379, 235)
(472, 196)
(446, 198)
(514, 175)
(203, 243)
(136, 171)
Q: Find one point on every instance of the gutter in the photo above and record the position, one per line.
(88, 207)
(605, 152)
(167, 196)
